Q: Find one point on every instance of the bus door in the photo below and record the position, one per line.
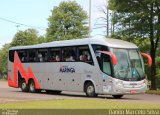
(105, 60)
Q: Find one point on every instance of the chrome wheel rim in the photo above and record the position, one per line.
(32, 87)
(24, 85)
(90, 89)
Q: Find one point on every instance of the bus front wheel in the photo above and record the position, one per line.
(24, 86)
(90, 90)
(117, 96)
(32, 87)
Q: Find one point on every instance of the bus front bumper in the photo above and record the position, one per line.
(125, 87)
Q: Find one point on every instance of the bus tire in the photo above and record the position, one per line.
(32, 87)
(117, 96)
(24, 86)
(90, 90)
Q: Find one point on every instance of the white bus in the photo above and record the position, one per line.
(91, 65)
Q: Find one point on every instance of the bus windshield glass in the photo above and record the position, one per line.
(129, 65)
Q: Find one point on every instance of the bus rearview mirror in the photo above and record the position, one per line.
(148, 57)
(112, 55)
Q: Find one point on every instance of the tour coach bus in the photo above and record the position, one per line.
(91, 65)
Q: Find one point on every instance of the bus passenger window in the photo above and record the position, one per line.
(69, 54)
(32, 56)
(11, 55)
(55, 55)
(85, 55)
(22, 55)
(57, 59)
(43, 55)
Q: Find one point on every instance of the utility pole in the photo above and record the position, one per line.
(17, 27)
(90, 8)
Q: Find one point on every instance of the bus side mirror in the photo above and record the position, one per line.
(112, 55)
(148, 57)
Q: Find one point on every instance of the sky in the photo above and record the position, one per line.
(34, 14)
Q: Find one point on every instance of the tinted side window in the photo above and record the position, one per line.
(11, 55)
(55, 55)
(69, 54)
(32, 55)
(42, 55)
(85, 55)
(99, 47)
(22, 55)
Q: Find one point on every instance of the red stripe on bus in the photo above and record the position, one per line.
(18, 66)
(12, 83)
(31, 75)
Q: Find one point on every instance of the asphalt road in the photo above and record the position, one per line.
(8, 94)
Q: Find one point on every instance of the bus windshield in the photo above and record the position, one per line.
(129, 65)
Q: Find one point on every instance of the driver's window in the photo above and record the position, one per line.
(103, 60)
(106, 65)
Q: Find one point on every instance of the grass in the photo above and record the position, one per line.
(157, 92)
(3, 79)
(79, 104)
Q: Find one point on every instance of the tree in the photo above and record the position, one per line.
(68, 21)
(3, 59)
(27, 37)
(105, 20)
(42, 39)
(139, 18)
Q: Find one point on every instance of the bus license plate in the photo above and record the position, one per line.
(133, 91)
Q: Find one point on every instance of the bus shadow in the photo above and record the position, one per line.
(98, 97)
(81, 95)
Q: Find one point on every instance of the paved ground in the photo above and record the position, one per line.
(8, 94)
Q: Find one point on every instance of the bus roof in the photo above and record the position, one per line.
(114, 43)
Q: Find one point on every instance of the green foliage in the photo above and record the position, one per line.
(157, 92)
(27, 37)
(68, 21)
(143, 44)
(134, 17)
(42, 39)
(158, 66)
(4, 59)
(139, 19)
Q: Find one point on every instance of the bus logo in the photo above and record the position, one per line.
(66, 69)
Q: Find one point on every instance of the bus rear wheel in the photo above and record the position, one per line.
(24, 86)
(117, 96)
(90, 90)
(32, 87)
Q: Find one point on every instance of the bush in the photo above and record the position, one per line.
(157, 92)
